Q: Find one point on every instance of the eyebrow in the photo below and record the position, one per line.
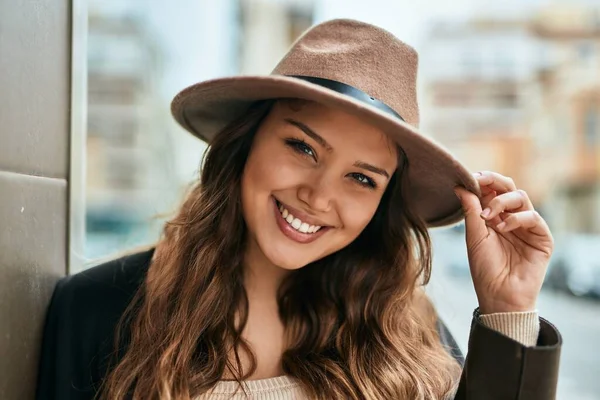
(309, 132)
(372, 168)
(319, 139)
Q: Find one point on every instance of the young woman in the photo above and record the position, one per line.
(295, 267)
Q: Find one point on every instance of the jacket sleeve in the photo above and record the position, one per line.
(498, 367)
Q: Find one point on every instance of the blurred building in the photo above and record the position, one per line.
(522, 97)
(138, 160)
(129, 155)
(268, 29)
(565, 115)
(472, 84)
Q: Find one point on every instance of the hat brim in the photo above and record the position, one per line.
(207, 107)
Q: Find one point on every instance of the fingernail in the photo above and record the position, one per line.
(476, 174)
(501, 226)
(485, 213)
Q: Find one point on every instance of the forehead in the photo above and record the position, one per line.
(340, 129)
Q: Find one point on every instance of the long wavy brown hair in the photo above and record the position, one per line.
(359, 324)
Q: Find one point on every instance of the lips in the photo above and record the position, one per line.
(296, 229)
(296, 222)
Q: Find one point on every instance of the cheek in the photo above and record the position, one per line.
(356, 213)
(269, 171)
(252, 187)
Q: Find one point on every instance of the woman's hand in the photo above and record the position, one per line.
(508, 243)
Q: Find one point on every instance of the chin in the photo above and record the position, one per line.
(284, 256)
(286, 262)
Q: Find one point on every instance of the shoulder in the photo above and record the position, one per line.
(106, 288)
(123, 274)
(89, 304)
(78, 340)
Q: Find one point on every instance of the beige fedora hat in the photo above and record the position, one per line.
(361, 69)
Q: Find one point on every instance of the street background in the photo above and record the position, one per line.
(577, 319)
(511, 86)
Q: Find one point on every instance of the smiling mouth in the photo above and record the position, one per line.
(296, 223)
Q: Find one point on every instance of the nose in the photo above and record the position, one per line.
(318, 194)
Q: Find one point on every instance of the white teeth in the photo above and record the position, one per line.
(296, 223)
(304, 227)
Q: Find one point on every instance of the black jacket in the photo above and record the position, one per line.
(85, 308)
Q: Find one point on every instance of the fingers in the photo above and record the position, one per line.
(530, 220)
(517, 200)
(486, 198)
(471, 205)
(493, 185)
(502, 208)
(486, 190)
(489, 180)
(485, 202)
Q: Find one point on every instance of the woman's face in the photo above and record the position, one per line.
(313, 181)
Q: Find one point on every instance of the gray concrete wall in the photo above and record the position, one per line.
(35, 47)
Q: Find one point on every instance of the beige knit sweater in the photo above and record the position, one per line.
(523, 327)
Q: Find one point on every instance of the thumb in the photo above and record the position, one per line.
(474, 224)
